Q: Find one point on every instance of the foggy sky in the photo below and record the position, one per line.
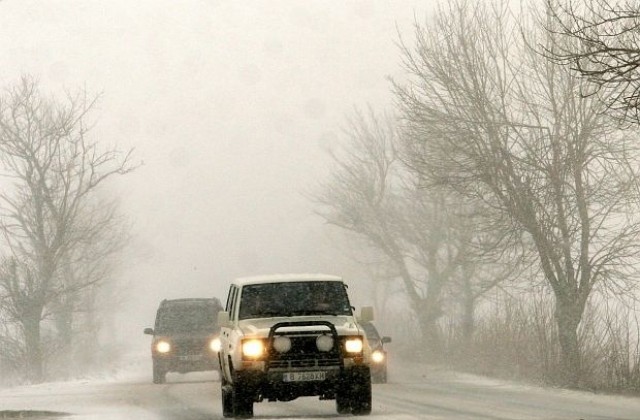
(230, 105)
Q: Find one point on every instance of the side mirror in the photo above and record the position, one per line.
(366, 314)
(148, 331)
(223, 319)
(386, 339)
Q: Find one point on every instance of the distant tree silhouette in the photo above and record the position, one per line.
(56, 232)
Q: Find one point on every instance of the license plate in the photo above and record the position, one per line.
(190, 358)
(304, 376)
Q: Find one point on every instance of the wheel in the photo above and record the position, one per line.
(354, 393)
(383, 376)
(343, 401)
(379, 377)
(361, 392)
(241, 402)
(159, 375)
(227, 399)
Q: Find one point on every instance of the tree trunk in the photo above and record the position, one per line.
(64, 322)
(428, 317)
(34, 363)
(568, 315)
(468, 318)
(90, 352)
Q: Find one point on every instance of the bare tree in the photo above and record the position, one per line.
(371, 197)
(48, 217)
(481, 268)
(84, 270)
(489, 118)
(605, 48)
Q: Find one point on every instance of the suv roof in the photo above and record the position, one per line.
(165, 302)
(187, 315)
(283, 278)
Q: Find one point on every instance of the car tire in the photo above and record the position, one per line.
(227, 399)
(361, 392)
(343, 401)
(241, 402)
(354, 393)
(379, 377)
(159, 375)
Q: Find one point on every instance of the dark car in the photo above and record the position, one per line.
(378, 353)
(185, 337)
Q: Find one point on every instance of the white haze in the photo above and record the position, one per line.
(231, 106)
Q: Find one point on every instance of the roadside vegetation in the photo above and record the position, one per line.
(60, 234)
(498, 197)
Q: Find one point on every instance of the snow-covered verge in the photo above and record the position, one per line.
(81, 398)
(509, 399)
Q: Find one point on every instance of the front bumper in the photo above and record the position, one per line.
(275, 386)
(186, 363)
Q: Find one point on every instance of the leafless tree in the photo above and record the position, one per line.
(82, 272)
(49, 217)
(482, 266)
(488, 117)
(372, 195)
(604, 48)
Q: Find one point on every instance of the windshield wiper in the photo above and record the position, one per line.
(274, 314)
(325, 312)
(316, 312)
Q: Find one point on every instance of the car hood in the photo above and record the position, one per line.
(185, 335)
(344, 325)
(375, 345)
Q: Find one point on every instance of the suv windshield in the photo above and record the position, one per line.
(180, 318)
(294, 299)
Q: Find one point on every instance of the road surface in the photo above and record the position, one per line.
(414, 392)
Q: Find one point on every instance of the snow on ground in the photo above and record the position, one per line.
(414, 392)
(81, 398)
(544, 402)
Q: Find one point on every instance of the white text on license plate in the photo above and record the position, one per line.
(304, 376)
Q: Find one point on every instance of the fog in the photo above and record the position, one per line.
(230, 107)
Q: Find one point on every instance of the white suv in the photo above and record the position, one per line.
(288, 336)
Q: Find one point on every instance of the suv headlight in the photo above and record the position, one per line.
(353, 345)
(253, 348)
(324, 342)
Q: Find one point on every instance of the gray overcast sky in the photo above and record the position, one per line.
(230, 104)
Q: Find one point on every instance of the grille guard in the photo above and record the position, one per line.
(331, 357)
(332, 328)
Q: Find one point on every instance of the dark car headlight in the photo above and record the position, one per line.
(215, 344)
(162, 346)
(377, 356)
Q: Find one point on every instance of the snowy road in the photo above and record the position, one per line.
(414, 392)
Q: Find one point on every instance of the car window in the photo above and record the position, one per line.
(294, 298)
(231, 301)
(186, 318)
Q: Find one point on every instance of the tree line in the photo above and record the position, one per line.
(60, 232)
(501, 190)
